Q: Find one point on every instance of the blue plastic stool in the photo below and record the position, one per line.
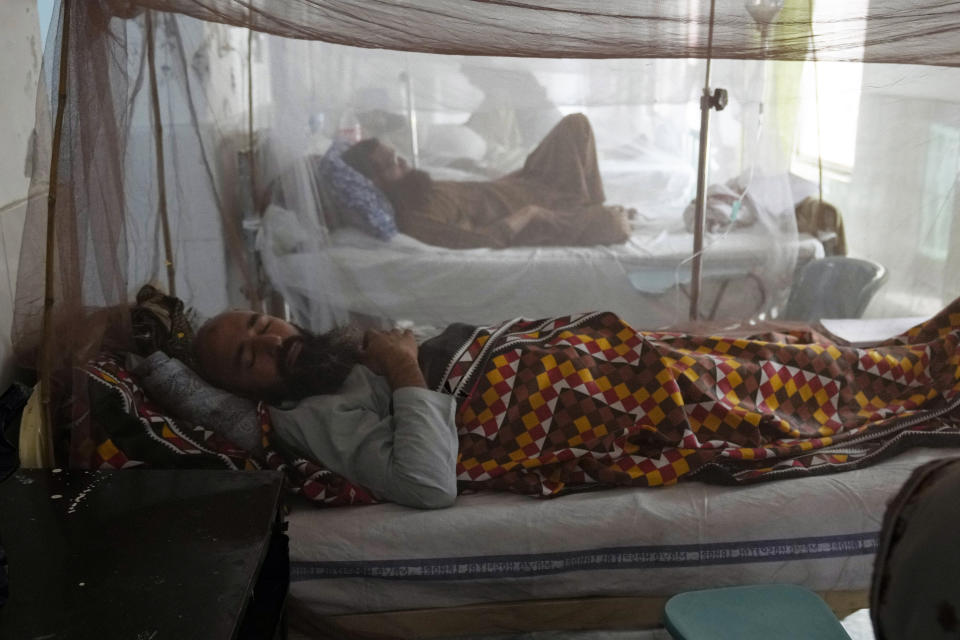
(781, 611)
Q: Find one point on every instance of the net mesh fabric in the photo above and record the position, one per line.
(911, 33)
(478, 118)
(242, 223)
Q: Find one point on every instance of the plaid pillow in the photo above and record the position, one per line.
(360, 202)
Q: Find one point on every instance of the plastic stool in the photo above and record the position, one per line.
(781, 611)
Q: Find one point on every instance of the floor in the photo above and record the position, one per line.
(857, 626)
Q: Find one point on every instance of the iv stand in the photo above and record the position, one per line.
(412, 119)
(718, 100)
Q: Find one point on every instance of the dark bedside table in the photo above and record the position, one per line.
(144, 555)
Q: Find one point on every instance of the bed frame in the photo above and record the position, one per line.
(582, 614)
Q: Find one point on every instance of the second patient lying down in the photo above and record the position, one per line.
(556, 199)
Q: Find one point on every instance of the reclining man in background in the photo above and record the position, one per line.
(556, 199)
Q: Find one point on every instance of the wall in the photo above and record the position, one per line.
(19, 70)
(199, 169)
(218, 57)
(901, 203)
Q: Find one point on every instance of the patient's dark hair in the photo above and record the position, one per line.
(359, 156)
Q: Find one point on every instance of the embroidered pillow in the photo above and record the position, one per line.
(360, 202)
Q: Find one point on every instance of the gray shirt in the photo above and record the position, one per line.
(407, 456)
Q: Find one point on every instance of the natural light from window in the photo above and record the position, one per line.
(831, 99)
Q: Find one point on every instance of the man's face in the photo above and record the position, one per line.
(241, 351)
(389, 166)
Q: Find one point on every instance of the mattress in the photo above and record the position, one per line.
(820, 532)
(406, 280)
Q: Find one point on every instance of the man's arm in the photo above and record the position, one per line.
(520, 219)
(393, 354)
(408, 457)
(421, 466)
(442, 234)
(423, 461)
(504, 232)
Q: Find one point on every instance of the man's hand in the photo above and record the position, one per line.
(522, 218)
(393, 354)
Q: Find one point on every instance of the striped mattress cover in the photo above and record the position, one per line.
(820, 532)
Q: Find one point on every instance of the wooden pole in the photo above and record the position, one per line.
(161, 169)
(261, 298)
(46, 346)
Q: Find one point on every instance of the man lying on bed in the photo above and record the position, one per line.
(555, 199)
(363, 408)
(540, 407)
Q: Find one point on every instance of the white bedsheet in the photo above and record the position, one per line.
(404, 279)
(820, 532)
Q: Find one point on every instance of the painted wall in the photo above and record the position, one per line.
(19, 70)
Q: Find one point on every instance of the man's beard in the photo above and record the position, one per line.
(323, 363)
(410, 192)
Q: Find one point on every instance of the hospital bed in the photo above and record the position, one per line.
(643, 280)
(325, 269)
(609, 559)
(498, 561)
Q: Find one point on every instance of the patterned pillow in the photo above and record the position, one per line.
(122, 427)
(360, 202)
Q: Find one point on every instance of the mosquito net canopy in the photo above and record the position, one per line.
(202, 145)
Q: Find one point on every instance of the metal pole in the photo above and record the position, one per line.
(251, 143)
(701, 202)
(262, 297)
(412, 118)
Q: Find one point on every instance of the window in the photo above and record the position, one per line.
(830, 101)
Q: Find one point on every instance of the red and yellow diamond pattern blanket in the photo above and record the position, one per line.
(587, 400)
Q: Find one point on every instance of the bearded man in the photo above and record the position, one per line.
(556, 199)
(362, 406)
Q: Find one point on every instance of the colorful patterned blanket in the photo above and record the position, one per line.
(549, 405)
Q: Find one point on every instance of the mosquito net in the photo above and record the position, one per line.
(200, 145)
